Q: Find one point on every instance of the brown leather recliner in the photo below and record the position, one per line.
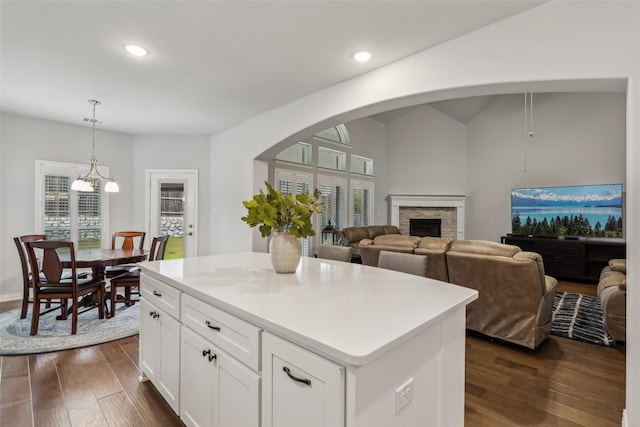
(515, 301)
(612, 291)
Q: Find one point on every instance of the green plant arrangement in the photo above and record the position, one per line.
(274, 211)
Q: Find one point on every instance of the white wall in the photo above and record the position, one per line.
(555, 42)
(173, 152)
(23, 141)
(427, 152)
(578, 139)
(227, 172)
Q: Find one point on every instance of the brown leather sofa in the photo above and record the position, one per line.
(515, 300)
(435, 248)
(355, 234)
(612, 291)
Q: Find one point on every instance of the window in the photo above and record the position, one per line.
(347, 189)
(361, 165)
(337, 134)
(331, 159)
(62, 214)
(294, 183)
(334, 198)
(361, 203)
(300, 152)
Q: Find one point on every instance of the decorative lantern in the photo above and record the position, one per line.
(329, 234)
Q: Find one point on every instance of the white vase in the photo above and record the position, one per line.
(285, 250)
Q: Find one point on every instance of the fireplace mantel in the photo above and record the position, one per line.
(435, 201)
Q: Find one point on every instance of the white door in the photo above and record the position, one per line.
(172, 208)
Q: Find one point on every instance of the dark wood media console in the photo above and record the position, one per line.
(580, 260)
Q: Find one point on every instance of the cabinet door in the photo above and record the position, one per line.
(160, 351)
(299, 388)
(237, 399)
(198, 379)
(149, 339)
(168, 374)
(216, 390)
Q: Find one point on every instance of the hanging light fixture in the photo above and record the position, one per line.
(90, 180)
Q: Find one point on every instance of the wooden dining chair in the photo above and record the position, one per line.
(338, 253)
(54, 284)
(27, 281)
(406, 263)
(130, 281)
(124, 240)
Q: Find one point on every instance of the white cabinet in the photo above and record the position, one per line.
(216, 390)
(236, 337)
(160, 338)
(299, 388)
(160, 351)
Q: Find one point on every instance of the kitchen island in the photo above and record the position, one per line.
(227, 341)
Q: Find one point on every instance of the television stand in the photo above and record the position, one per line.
(579, 260)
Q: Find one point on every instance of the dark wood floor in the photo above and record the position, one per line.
(562, 383)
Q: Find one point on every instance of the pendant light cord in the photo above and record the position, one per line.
(528, 122)
(93, 128)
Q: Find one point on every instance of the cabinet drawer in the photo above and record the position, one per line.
(160, 294)
(234, 336)
(299, 388)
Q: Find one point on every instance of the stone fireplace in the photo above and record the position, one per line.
(449, 210)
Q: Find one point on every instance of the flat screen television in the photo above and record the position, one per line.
(573, 211)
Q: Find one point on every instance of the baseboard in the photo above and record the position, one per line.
(11, 297)
(625, 423)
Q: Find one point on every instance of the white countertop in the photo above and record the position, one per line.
(349, 312)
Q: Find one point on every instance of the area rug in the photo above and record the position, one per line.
(579, 317)
(54, 335)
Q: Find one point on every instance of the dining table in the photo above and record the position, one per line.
(98, 260)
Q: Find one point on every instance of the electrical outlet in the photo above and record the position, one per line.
(404, 395)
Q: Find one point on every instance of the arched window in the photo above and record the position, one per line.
(335, 134)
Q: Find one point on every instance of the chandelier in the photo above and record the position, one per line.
(89, 182)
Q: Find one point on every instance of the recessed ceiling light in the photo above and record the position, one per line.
(135, 50)
(362, 56)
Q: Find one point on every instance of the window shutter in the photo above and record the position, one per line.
(62, 214)
(292, 182)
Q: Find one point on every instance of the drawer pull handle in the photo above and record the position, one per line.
(300, 380)
(215, 328)
(156, 293)
(154, 314)
(212, 357)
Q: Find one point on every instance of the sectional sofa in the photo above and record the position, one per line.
(515, 301)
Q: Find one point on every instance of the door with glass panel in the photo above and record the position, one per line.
(172, 209)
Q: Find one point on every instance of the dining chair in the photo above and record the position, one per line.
(131, 279)
(54, 284)
(27, 282)
(338, 253)
(124, 240)
(406, 263)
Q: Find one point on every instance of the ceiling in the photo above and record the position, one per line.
(212, 63)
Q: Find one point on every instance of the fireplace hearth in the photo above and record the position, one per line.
(423, 227)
